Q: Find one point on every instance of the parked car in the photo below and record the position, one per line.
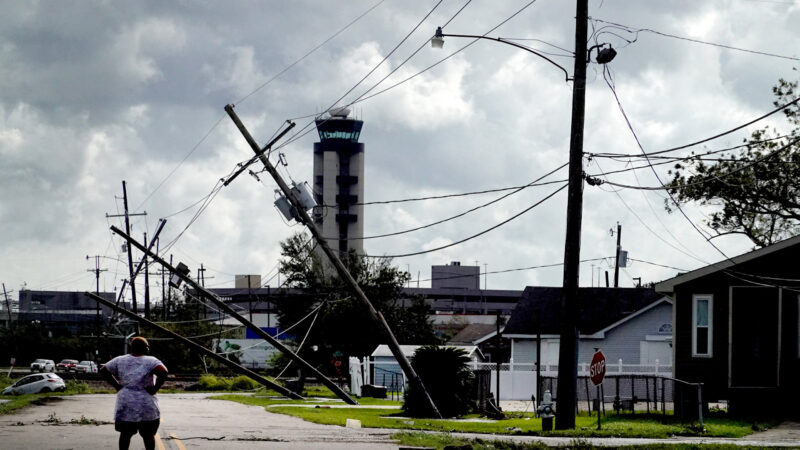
(43, 365)
(66, 365)
(86, 367)
(36, 384)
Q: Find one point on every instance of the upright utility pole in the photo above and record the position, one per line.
(344, 274)
(127, 216)
(499, 360)
(97, 271)
(616, 259)
(568, 349)
(163, 272)
(146, 284)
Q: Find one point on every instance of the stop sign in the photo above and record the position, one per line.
(597, 369)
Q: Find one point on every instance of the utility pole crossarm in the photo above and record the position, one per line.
(345, 275)
(230, 311)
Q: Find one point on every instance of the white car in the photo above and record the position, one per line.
(43, 365)
(86, 367)
(36, 384)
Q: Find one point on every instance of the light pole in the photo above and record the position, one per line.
(568, 349)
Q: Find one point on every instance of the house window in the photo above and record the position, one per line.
(702, 325)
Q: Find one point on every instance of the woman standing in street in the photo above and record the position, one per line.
(137, 378)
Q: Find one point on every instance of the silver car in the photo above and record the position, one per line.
(36, 384)
(86, 367)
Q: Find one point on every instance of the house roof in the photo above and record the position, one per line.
(383, 350)
(599, 309)
(471, 333)
(668, 286)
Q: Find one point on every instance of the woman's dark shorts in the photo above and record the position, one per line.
(145, 428)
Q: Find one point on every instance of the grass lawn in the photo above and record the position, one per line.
(439, 441)
(640, 425)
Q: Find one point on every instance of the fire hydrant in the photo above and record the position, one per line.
(546, 411)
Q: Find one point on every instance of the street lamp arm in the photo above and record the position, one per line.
(503, 41)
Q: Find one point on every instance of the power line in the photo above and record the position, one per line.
(666, 188)
(517, 269)
(287, 68)
(214, 126)
(739, 275)
(194, 148)
(697, 41)
(364, 98)
(658, 154)
(461, 214)
(477, 234)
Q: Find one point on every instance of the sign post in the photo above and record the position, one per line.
(597, 371)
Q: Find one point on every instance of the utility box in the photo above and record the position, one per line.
(374, 391)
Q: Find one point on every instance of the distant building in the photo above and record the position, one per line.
(455, 276)
(247, 281)
(71, 313)
(339, 181)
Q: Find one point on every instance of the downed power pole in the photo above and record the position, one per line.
(250, 325)
(197, 347)
(345, 275)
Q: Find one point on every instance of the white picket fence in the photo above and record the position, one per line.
(583, 368)
(517, 380)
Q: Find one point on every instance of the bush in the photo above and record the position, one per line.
(77, 387)
(446, 377)
(213, 383)
(243, 383)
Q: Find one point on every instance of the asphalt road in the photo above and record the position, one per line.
(193, 421)
(190, 421)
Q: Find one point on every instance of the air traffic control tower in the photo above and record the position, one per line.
(339, 181)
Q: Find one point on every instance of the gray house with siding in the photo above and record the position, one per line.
(629, 324)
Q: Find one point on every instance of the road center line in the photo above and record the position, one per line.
(177, 441)
(159, 444)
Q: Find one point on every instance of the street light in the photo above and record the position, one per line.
(568, 349)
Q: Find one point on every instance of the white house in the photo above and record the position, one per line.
(632, 326)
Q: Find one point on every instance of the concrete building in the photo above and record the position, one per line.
(247, 281)
(455, 276)
(72, 313)
(339, 181)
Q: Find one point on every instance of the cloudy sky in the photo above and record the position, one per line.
(96, 92)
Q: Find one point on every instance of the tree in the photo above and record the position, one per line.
(342, 323)
(187, 317)
(755, 190)
(448, 379)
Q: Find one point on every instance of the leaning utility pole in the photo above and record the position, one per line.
(10, 321)
(197, 347)
(127, 215)
(568, 347)
(231, 312)
(345, 275)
